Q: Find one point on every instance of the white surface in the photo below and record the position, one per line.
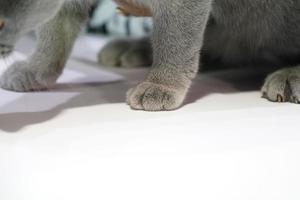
(81, 141)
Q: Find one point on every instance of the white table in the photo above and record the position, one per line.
(81, 141)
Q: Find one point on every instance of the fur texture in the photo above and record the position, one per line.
(233, 32)
(57, 23)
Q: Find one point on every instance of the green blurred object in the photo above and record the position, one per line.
(106, 20)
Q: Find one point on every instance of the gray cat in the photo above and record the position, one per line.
(234, 32)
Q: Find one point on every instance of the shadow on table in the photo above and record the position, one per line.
(97, 93)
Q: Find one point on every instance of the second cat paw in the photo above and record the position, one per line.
(283, 86)
(126, 53)
(21, 78)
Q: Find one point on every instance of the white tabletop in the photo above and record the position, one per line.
(81, 141)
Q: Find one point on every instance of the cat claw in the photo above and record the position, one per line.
(280, 99)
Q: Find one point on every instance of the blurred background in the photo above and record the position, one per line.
(105, 20)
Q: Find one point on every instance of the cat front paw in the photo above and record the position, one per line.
(283, 86)
(155, 97)
(20, 77)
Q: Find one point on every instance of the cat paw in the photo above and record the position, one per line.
(283, 86)
(154, 97)
(22, 78)
(126, 53)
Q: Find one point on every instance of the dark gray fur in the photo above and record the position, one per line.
(234, 32)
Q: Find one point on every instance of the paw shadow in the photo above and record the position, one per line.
(77, 95)
(85, 93)
(94, 87)
(227, 81)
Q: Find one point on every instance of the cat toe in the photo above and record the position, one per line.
(154, 97)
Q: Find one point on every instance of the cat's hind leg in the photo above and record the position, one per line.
(127, 53)
(283, 86)
(55, 41)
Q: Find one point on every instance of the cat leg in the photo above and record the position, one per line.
(127, 53)
(283, 86)
(177, 39)
(55, 41)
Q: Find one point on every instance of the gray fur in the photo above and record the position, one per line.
(127, 53)
(283, 85)
(229, 32)
(234, 32)
(57, 23)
